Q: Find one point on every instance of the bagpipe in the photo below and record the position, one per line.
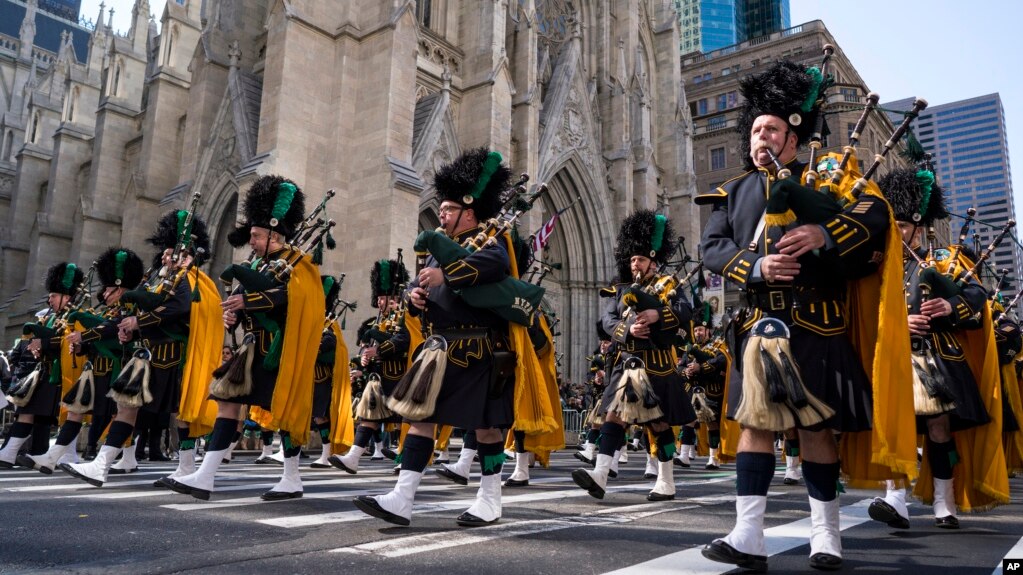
(511, 298)
(21, 391)
(339, 308)
(931, 394)
(260, 274)
(149, 297)
(656, 293)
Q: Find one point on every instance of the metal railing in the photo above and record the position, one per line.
(573, 425)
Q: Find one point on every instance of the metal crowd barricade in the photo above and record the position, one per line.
(573, 425)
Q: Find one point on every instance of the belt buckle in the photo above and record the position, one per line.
(776, 298)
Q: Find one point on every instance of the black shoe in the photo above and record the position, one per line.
(90, 453)
(469, 520)
(612, 474)
(679, 462)
(448, 474)
(711, 467)
(27, 462)
(825, 562)
(582, 479)
(280, 495)
(722, 552)
(6, 465)
(318, 465)
(516, 482)
(369, 506)
(335, 460)
(654, 496)
(183, 489)
(649, 476)
(162, 483)
(389, 453)
(579, 455)
(263, 460)
(790, 481)
(881, 510)
(66, 468)
(946, 522)
(159, 457)
(630, 447)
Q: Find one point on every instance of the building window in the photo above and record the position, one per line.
(722, 102)
(33, 135)
(850, 94)
(733, 99)
(726, 71)
(717, 158)
(423, 12)
(701, 107)
(849, 127)
(717, 122)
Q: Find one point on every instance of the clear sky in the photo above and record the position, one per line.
(939, 50)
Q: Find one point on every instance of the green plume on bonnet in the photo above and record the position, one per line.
(925, 178)
(811, 96)
(493, 162)
(385, 275)
(285, 195)
(119, 259)
(328, 284)
(69, 276)
(657, 239)
(182, 232)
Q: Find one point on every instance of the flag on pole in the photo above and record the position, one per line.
(541, 237)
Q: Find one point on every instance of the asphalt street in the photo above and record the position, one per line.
(56, 524)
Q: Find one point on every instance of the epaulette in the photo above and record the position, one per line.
(718, 192)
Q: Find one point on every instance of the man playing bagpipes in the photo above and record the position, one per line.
(153, 331)
(643, 319)
(36, 390)
(600, 364)
(705, 383)
(332, 384)
(117, 268)
(800, 258)
(1009, 341)
(955, 368)
(281, 308)
(383, 358)
(465, 375)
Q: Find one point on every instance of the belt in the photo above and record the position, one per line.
(786, 298)
(463, 333)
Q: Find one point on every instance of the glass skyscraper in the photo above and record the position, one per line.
(971, 161)
(707, 25)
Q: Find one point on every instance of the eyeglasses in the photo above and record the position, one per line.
(449, 209)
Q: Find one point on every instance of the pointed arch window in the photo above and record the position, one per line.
(8, 144)
(33, 134)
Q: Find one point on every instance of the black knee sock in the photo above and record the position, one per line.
(821, 480)
(520, 441)
(223, 431)
(792, 447)
(184, 441)
(612, 436)
(40, 442)
(713, 438)
(363, 435)
(237, 436)
(119, 432)
(469, 440)
(491, 457)
(942, 456)
(20, 429)
(267, 437)
(592, 435)
(96, 429)
(688, 435)
(665, 445)
(754, 473)
(323, 428)
(68, 432)
(416, 453)
(290, 449)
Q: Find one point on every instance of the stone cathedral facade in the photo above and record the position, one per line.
(365, 97)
